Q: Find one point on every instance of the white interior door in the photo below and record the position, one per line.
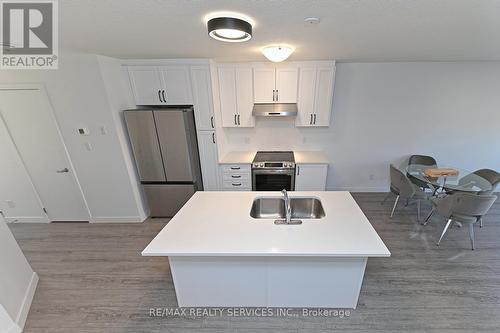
(31, 124)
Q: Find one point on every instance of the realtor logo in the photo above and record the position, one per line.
(29, 34)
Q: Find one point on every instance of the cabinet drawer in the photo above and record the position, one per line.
(238, 168)
(235, 176)
(237, 185)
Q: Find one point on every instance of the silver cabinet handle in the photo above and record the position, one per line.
(239, 119)
(277, 95)
(274, 95)
(213, 137)
(212, 121)
(63, 170)
(159, 96)
(236, 184)
(163, 94)
(235, 168)
(314, 119)
(311, 120)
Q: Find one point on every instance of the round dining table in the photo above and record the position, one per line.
(464, 181)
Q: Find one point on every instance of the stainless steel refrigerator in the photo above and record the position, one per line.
(166, 154)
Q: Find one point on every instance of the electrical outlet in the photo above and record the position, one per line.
(10, 203)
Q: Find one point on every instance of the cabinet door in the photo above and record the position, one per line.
(146, 85)
(324, 95)
(177, 85)
(202, 98)
(264, 85)
(310, 177)
(244, 97)
(227, 95)
(286, 85)
(208, 159)
(306, 96)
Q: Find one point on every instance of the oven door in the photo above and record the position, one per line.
(273, 179)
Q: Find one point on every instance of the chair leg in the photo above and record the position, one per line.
(471, 234)
(418, 210)
(481, 222)
(394, 207)
(429, 216)
(444, 231)
(386, 197)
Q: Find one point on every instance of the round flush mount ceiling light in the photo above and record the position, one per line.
(229, 29)
(277, 53)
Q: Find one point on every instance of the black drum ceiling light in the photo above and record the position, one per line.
(229, 29)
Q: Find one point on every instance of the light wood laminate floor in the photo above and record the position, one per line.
(93, 279)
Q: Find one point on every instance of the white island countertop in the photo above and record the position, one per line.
(301, 157)
(219, 224)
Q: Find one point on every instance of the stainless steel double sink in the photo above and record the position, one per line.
(274, 208)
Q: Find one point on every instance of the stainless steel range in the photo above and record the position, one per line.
(273, 171)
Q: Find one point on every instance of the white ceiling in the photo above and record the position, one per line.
(350, 30)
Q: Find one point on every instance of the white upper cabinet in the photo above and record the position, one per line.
(202, 98)
(315, 94)
(146, 85)
(286, 85)
(275, 85)
(161, 85)
(264, 85)
(177, 85)
(236, 95)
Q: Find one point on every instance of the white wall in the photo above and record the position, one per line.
(383, 112)
(80, 99)
(17, 281)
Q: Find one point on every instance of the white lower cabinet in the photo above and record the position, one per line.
(207, 146)
(236, 177)
(310, 177)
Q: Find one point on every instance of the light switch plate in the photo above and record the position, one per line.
(83, 131)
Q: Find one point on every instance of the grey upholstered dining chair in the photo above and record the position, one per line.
(423, 160)
(463, 207)
(403, 188)
(491, 176)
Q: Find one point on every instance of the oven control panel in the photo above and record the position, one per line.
(273, 165)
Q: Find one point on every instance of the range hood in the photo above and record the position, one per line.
(274, 110)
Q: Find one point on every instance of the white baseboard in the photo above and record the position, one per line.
(118, 219)
(26, 219)
(359, 189)
(28, 298)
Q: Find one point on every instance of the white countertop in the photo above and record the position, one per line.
(219, 224)
(301, 157)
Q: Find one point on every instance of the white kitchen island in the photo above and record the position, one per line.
(222, 257)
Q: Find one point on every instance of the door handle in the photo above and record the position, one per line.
(235, 116)
(236, 184)
(159, 96)
(239, 120)
(277, 95)
(235, 168)
(298, 170)
(63, 170)
(163, 94)
(212, 121)
(311, 120)
(314, 119)
(235, 176)
(213, 137)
